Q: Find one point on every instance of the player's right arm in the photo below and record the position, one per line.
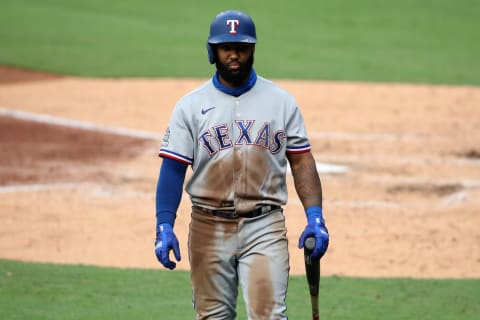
(168, 197)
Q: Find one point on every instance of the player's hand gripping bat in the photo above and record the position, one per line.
(312, 268)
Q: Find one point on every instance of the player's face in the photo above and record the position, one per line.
(234, 63)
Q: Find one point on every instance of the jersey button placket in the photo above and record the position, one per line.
(237, 109)
(236, 151)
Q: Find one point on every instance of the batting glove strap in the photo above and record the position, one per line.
(315, 215)
(164, 243)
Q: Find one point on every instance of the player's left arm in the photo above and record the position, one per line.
(309, 190)
(305, 176)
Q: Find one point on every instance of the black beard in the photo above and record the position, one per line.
(238, 77)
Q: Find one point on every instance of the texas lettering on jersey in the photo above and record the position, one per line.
(219, 137)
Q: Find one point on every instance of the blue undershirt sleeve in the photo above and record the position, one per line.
(169, 190)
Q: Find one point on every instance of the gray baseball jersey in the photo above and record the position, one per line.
(237, 146)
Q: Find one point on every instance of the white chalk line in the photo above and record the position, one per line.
(48, 119)
(356, 204)
(386, 137)
(402, 160)
(36, 187)
(95, 189)
(404, 180)
(324, 167)
(449, 201)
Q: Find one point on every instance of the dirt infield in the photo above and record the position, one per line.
(76, 189)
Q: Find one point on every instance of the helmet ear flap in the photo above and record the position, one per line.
(211, 53)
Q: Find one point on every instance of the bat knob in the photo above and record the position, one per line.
(310, 243)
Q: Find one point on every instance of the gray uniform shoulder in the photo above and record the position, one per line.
(269, 87)
(189, 104)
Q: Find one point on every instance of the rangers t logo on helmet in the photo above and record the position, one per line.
(233, 25)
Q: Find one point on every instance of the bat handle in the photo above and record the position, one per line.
(312, 267)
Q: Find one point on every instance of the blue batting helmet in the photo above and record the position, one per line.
(230, 26)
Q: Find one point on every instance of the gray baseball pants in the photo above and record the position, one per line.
(252, 252)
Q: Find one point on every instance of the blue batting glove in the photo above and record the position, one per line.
(315, 228)
(166, 241)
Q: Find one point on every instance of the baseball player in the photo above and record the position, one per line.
(238, 132)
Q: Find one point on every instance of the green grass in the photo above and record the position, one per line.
(48, 291)
(372, 40)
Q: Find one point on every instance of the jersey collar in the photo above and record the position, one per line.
(237, 91)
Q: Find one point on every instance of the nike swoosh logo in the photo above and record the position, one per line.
(206, 110)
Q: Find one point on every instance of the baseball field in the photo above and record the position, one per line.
(391, 98)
